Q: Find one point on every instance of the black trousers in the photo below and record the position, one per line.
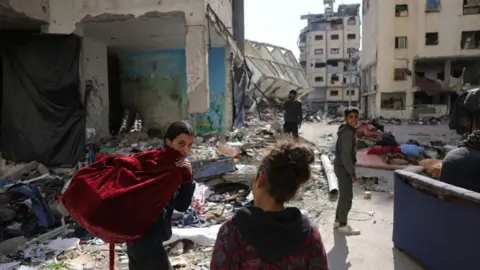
(147, 253)
(290, 127)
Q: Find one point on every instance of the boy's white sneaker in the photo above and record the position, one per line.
(336, 224)
(348, 230)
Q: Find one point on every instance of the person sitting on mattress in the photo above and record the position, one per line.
(147, 252)
(461, 166)
(267, 234)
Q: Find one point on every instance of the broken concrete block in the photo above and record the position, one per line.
(367, 195)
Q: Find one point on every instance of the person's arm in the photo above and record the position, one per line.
(285, 105)
(183, 200)
(318, 257)
(346, 145)
(225, 252)
(300, 113)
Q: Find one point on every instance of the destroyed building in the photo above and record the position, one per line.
(159, 60)
(329, 50)
(417, 60)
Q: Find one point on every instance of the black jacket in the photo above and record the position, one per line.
(293, 111)
(461, 168)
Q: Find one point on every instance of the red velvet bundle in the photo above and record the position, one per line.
(118, 198)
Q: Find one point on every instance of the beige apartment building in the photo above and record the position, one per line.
(329, 50)
(417, 55)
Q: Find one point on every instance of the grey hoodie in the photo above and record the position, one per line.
(345, 152)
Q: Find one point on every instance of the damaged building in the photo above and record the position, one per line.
(419, 58)
(329, 52)
(74, 65)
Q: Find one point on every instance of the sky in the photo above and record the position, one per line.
(278, 21)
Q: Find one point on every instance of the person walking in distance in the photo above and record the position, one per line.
(344, 166)
(293, 114)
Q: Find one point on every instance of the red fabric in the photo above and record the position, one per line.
(118, 198)
(367, 130)
(380, 150)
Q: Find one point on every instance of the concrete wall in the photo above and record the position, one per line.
(34, 9)
(154, 84)
(94, 69)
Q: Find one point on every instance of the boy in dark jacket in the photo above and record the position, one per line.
(293, 114)
(344, 166)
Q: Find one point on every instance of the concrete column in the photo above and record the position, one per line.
(197, 69)
(95, 77)
(238, 23)
(447, 71)
(62, 17)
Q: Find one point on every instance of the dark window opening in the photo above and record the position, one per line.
(334, 37)
(318, 51)
(400, 42)
(401, 10)
(319, 79)
(334, 78)
(320, 65)
(333, 63)
(319, 37)
(344, 80)
(399, 74)
(333, 92)
(335, 51)
(351, 21)
(471, 7)
(433, 6)
(470, 40)
(431, 39)
(350, 92)
(351, 36)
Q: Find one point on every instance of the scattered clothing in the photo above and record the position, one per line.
(40, 208)
(255, 239)
(412, 150)
(380, 150)
(190, 219)
(386, 139)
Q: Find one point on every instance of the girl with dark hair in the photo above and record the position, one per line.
(147, 252)
(268, 235)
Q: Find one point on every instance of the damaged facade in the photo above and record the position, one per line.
(274, 72)
(329, 50)
(162, 60)
(419, 57)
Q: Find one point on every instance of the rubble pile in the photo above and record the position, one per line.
(37, 232)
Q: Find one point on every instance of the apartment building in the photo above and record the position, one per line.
(329, 50)
(417, 55)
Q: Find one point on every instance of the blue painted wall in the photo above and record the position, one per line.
(155, 84)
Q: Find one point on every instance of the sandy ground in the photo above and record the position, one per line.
(373, 249)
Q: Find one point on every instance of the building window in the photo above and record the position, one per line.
(318, 51)
(351, 21)
(334, 37)
(333, 93)
(431, 39)
(400, 42)
(351, 36)
(471, 7)
(470, 40)
(319, 79)
(334, 78)
(320, 65)
(319, 37)
(401, 10)
(335, 51)
(350, 92)
(432, 6)
(393, 101)
(399, 74)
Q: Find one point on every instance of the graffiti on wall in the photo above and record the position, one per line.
(154, 84)
(214, 119)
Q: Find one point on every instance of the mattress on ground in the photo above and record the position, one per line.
(375, 161)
